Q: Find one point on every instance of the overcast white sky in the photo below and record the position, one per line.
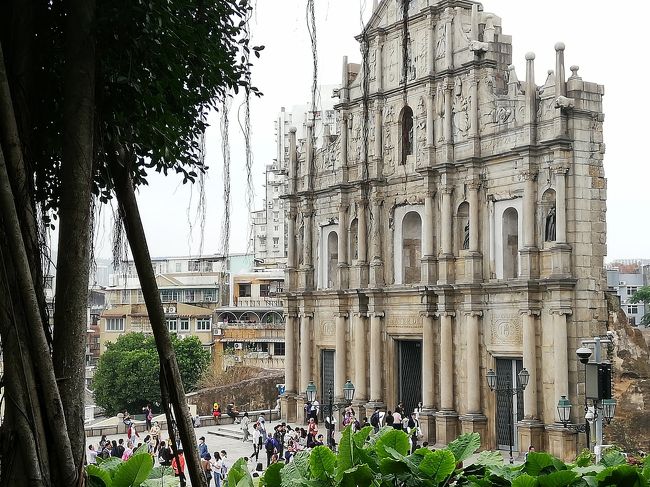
(607, 44)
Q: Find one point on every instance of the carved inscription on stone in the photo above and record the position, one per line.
(403, 322)
(506, 330)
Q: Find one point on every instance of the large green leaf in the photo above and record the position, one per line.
(646, 468)
(100, 474)
(134, 471)
(110, 465)
(296, 472)
(585, 458)
(524, 480)
(539, 463)
(390, 466)
(612, 458)
(358, 476)
(271, 477)
(238, 474)
(590, 469)
(159, 472)
(346, 455)
(562, 478)
(164, 481)
(438, 465)
(395, 439)
(322, 463)
(622, 475)
(361, 436)
(489, 457)
(464, 446)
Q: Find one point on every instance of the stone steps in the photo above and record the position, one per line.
(235, 434)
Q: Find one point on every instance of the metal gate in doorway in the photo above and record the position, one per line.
(410, 373)
(510, 408)
(326, 379)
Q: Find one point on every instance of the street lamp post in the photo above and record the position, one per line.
(348, 395)
(522, 380)
(597, 388)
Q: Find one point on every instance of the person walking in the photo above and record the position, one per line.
(245, 423)
(203, 448)
(178, 465)
(148, 416)
(269, 446)
(215, 464)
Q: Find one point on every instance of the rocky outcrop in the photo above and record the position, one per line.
(248, 395)
(631, 384)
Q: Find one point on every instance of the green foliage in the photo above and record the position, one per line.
(239, 476)
(612, 458)
(642, 295)
(127, 374)
(465, 446)
(382, 461)
(133, 472)
(585, 458)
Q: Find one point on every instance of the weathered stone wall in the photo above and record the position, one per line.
(631, 367)
(248, 395)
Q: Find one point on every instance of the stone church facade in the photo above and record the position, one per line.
(454, 223)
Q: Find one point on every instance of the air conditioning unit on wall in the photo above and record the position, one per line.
(238, 346)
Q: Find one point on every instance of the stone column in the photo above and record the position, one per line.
(474, 119)
(529, 209)
(362, 229)
(305, 351)
(428, 366)
(291, 244)
(449, 38)
(446, 258)
(428, 257)
(449, 116)
(377, 263)
(446, 361)
(343, 93)
(560, 204)
(474, 224)
(376, 395)
(529, 318)
(431, 48)
(344, 147)
(473, 363)
(290, 367)
(342, 266)
(531, 99)
(293, 161)
(446, 418)
(431, 142)
(340, 369)
(560, 351)
(378, 131)
(380, 64)
(307, 246)
(360, 361)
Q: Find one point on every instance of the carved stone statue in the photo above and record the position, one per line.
(466, 237)
(549, 232)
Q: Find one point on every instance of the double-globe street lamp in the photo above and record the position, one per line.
(348, 395)
(508, 391)
(597, 388)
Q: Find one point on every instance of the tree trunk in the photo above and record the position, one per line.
(24, 446)
(75, 220)
(169, 367)
(37, 343)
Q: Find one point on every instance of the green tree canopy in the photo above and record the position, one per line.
(127, 372)
(643, 296)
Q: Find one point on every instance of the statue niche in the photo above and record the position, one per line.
(549, 230)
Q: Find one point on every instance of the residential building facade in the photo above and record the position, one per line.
(454, 223)
(625, 280)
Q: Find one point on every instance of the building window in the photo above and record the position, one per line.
(510, 239)
(209, 295)
(264, 290)
(169, 295)
(631, 290)
(632, 309)
(171, 324)
(276, 241)
(278, 349)
(332, 260)
(190, 295)
(276, 215)
(194, 265)
(49, 281)
(114, 324)
(178, 267)
(184, 324)
(411, 247)
(203, 324)
(244, 290)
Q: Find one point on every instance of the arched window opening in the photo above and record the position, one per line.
(406, 127)
(332, 260)
(411, 247)
(510, 230)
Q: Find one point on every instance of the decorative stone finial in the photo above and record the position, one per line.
(574, 71)
(530, 56)
(559, 46)
(293, 130)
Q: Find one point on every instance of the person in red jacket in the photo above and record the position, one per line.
(178, 464)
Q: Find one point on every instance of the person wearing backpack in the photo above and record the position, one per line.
(374, 420)
(269, 446)
(164, 456)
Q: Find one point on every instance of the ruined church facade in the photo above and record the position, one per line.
(454, 223)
